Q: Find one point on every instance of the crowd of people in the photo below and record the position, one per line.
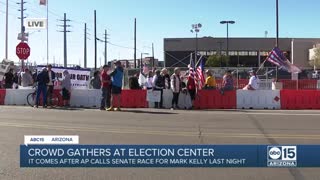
(188, 83)
(110, 84)
(44, 82)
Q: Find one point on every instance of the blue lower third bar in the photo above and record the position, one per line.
(187, 156)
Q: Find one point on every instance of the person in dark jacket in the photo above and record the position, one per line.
(134, 82)
(158, 85)
(96, 81)
(9, 77)
(42, 80)
(52, 77)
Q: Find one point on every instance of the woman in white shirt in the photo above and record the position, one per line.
(149, 84)
(253, 82)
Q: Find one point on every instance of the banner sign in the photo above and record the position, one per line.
(152, 156)
(80, 78)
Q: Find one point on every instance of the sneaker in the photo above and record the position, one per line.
(35, 106)
(110, 109)
(118, 109)
(102, 109)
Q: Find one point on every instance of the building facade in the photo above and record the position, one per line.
(243, 52)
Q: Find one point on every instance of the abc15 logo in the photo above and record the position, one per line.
(284, 153)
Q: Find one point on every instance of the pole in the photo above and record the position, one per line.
(65, 40)
(196, 53)
(141, 64)
(153, 65)
(105, 47)
(227, 39)
(47, 32)
(95, 39)
(85, 45)
(22, 31)
(277, 21)
(135, 43)
(7, 24)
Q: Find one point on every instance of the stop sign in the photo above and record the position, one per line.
(23, 51)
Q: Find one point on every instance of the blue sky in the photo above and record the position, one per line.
(156, 19)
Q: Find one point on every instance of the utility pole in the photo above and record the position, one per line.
(85, 45)
(152, 55)
(106, 47)
(135, 43)
(95, 40)
(22, 26)
(7, 24)
(65, 31)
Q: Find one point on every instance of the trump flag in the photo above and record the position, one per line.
(277, 58)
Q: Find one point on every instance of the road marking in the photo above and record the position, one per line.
(163, 133)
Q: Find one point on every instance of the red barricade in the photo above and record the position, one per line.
(2, 96)
(134, 99)
(300, 99)
(212, 99)
(302, 84)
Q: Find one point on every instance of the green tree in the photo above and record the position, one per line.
(217, 61)
(315, 61)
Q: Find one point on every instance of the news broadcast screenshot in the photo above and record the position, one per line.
(159, 90)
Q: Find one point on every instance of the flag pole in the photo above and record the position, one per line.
(47, 32)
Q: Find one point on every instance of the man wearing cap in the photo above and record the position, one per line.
(105, 88)
(52, 77)
(42, 80)
(117, 76)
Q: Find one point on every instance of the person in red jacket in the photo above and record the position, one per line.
(191, 86)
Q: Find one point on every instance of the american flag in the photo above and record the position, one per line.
(200, 75)
(197, 74)
(277, 58)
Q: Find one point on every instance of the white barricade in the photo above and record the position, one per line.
(17, 96)
(260, 99)
(167, 98)
(94, 98)
(185, 101)
(79, 98)
(318, 84)
(85, 98)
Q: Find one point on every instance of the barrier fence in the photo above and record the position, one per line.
(205, 99)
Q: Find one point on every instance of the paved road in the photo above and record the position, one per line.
(148, 126)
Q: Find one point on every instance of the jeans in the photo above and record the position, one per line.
(159, 104)
(106, 97)
(42, 89)
(175, 99)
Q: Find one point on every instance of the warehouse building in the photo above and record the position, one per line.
(243, 52)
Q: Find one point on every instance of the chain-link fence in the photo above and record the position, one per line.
(241, 75)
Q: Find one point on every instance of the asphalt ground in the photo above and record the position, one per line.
(150, 126)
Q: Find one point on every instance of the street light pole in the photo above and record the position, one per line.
(227, 22)
(277, 22)
(196, 29)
